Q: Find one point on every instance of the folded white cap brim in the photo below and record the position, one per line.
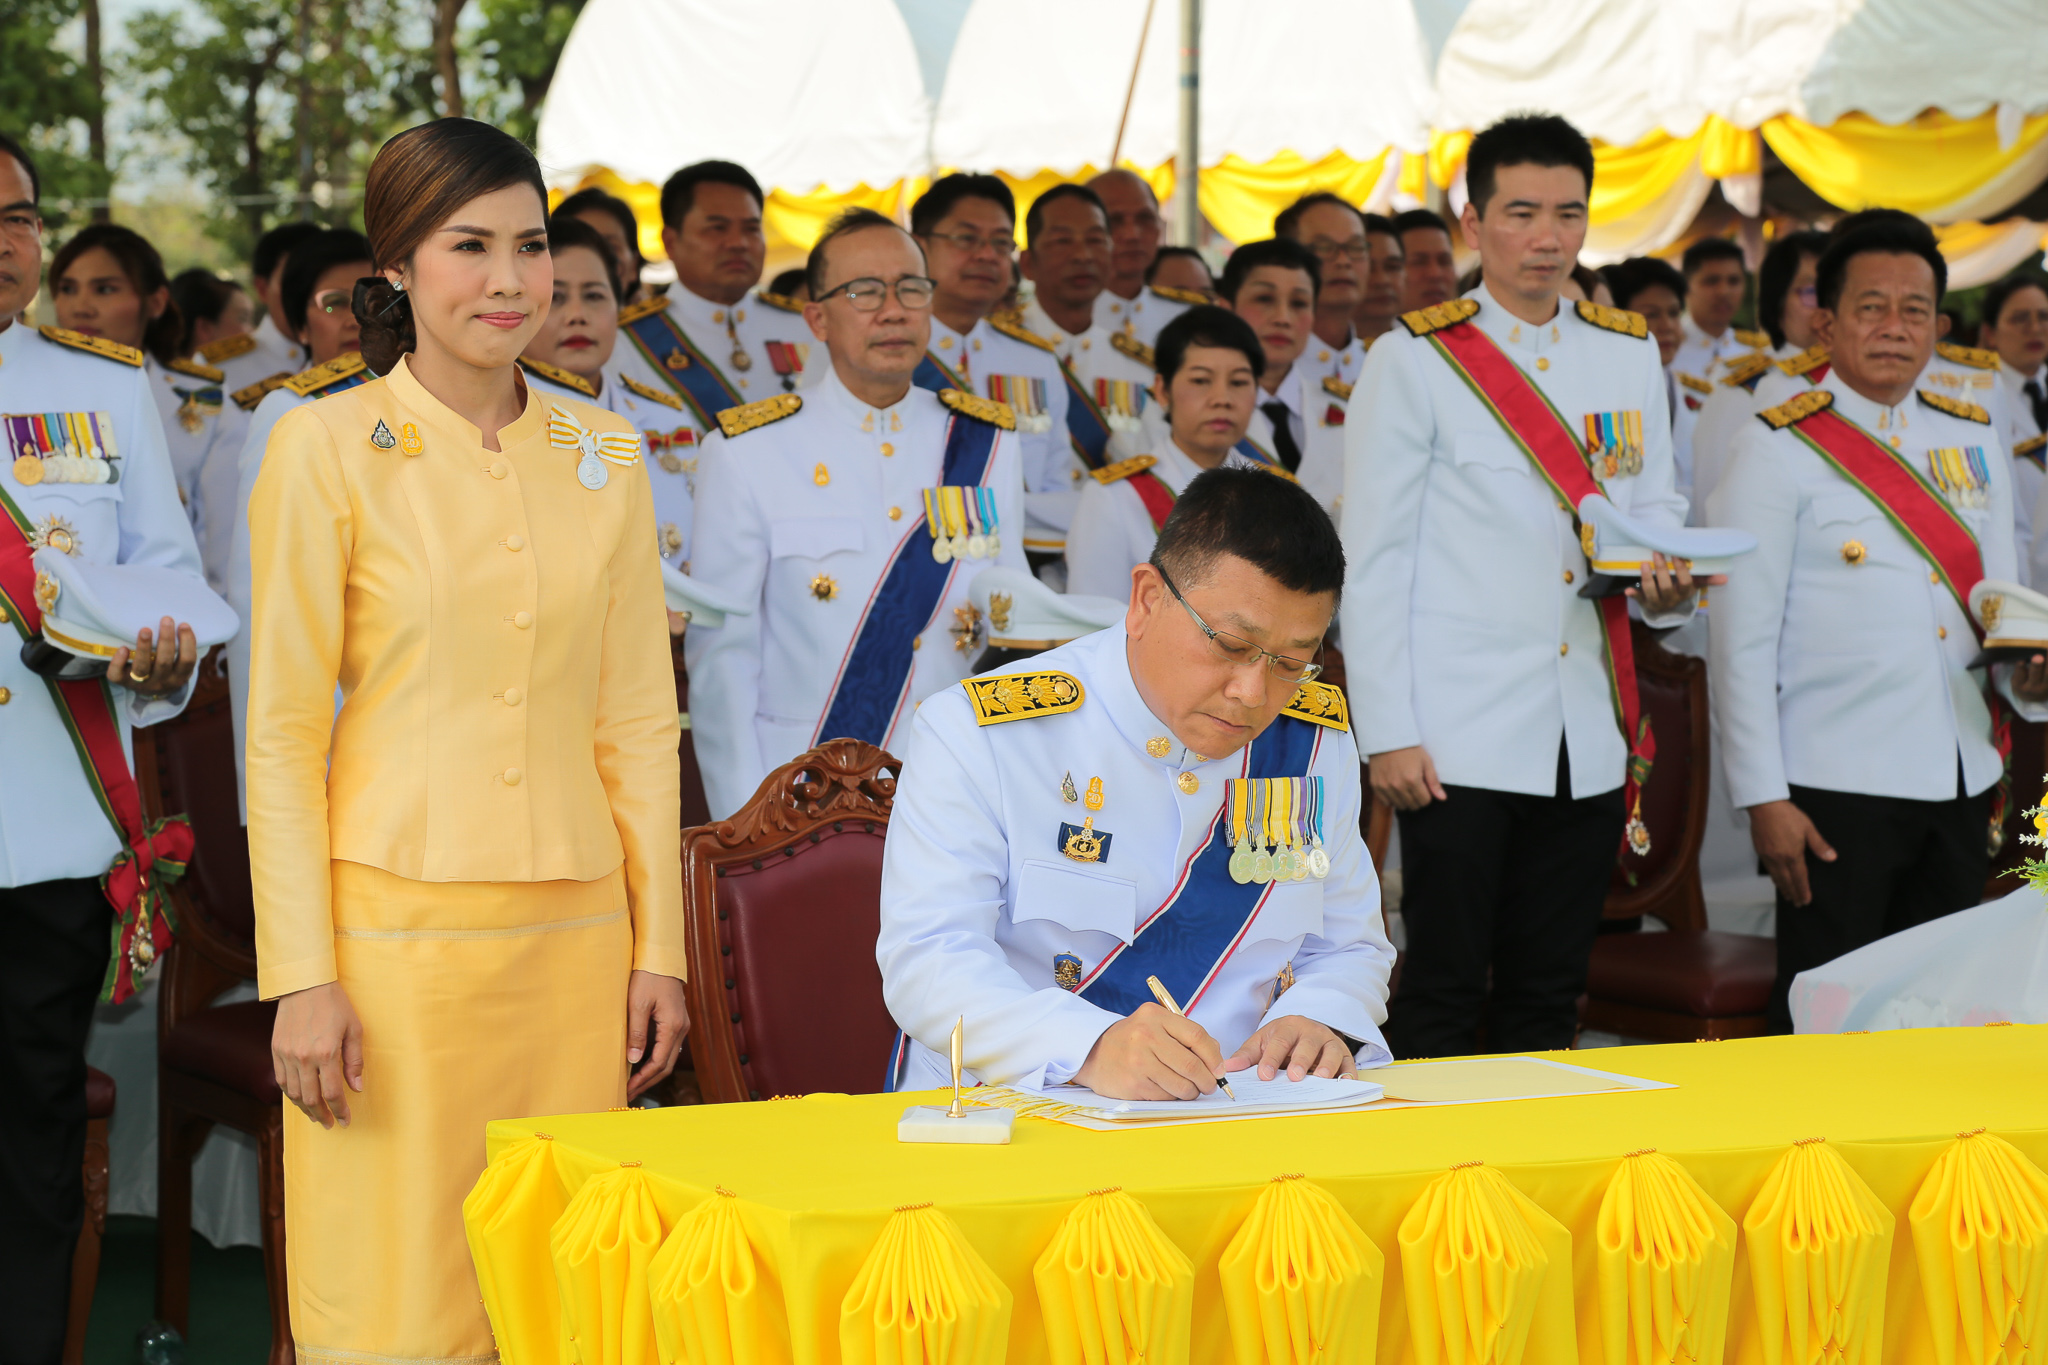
(706, 605)
(102, 607)
(1628, 544)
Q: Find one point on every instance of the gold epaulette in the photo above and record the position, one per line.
(749, 416)
(180, 365)
(227, 348)
(1971, 356)
(247, 398)
(1438, 316)
(1123, 469)
(633, 312)
(1797, 409)
(2033, 445)
(1021, 696)
(344, 366)
(555, 374)
(1614, 319)
(1190, 297)
(1134, 348)
(1748, 367)
(1694, 382)
(1955, 407)
(99, 346)
(1320, 703)
(1756, 341)
(1337, 388)
(652, 394)
(980, 409)
(1812, 358)
(1010, 323)
(781, 301)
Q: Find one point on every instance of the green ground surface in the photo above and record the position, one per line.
(230, 1312)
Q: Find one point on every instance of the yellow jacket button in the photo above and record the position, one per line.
(5, 696)
(1564, 649)
(499, 469)
(523, 619)
(513, 696)
(515, 542)
(513, 776)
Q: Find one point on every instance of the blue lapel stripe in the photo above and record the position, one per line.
(698, 383)
(933, 374)
(1086, 426)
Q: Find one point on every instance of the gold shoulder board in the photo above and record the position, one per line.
(1955, 407)
(1614, 319)
(1321, 703)
(1337, 388)
(227, 348)
(2030, 445)
(633, 312)
(1438, 316)
(1755, 340)
(1694, 382)
(1741, 371)
(1797, 409)
(1281, 471)
(650, 393)
(1190, 297)
(1971, 356)
(180, 365)
(745, 418)
(781, 301)
(1134, 348)
(308, 382)
(1812, 358)
(980, 409)
(1009, 325)
(1123, 469)
(555, 374)
(1020, 696)
(247, 398)
(99, 346)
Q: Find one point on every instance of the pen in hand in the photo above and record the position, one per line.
(1160, 993)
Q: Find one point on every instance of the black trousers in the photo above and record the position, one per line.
(51, 966)
(1898, 863)
(1500, 885)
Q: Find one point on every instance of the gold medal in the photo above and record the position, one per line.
(1083, 845)
(1094, 797)
(28, 470)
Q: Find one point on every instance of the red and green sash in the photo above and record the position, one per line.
(687, 370)
(1542, 433)
(151, 857)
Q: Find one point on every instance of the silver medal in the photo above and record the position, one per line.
(591, 473)
(942, 549)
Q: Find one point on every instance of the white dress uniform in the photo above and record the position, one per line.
(804, 514)
(982, 917)
(720, 333)
(1341, 363)
(57, 828)
(1837, 661)
(2024, 444)
(1020, 369)
(1094, 354)
(1706, 358)
(1143, 317)
(1326, 410)
(188, 402)
(253, 365)
(1723, 417)
(1113, 531)
(1463, 625)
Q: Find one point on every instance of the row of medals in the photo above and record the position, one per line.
(1282, 863)
(945, 549)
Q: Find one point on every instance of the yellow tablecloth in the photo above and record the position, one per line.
(1862, 1199)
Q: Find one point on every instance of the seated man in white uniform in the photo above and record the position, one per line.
(1176, 799)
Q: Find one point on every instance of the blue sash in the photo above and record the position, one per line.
(698, 383)
(871, 681)
(1252, 450)
(934, 374)
(1086, 425)
(1187, 939)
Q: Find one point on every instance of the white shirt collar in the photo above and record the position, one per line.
(1111, 683)
(1289, 392)
(1883, 422)
(694, 308)
(1510, 332)
(830, 391)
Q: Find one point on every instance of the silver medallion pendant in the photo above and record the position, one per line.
(591, 473)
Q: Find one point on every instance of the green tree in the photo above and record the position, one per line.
(51, 101)
(513, 51)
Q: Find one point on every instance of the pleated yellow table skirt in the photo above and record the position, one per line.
(1843, 1199)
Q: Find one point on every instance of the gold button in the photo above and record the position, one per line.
(513, 696)
(1564, 649)
(515, 542)
(513, 777)
(1567, 575)
(5, 696)
(895, 514)
(1895, 443)
(4, 618)
(1325, 355)
(718, 315)
(917, 642)
(1941, 631)
(888, 449)
(499, 469)
(1188, 783)
(1934, 577)
(743, 383)
(523, 619)
(1159, 746)
(1542, 362)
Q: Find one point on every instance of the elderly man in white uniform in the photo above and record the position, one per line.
(1177, 799)
(1129, 303)
(1067, 259)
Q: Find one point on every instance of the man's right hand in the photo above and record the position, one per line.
(1155, 1054)
(1782, 834)
(316, 1052)
(1405, 778)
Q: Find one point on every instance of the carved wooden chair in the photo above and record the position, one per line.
(1690, 982)
(213, 1061)
(85, 1261)
(783, 903)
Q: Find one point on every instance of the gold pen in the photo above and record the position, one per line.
(1160, 993)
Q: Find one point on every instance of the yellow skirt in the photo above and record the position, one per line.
(479, 1001)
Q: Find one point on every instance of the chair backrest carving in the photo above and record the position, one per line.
(1665, 884)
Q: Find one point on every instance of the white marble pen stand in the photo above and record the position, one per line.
(928, 1123)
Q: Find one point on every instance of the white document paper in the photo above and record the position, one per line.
(1254, 1096)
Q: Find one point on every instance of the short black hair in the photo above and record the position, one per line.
(1524, 140)
(566, 231)
(1270, 522)
(1284, 252)
(1881, 231)
(935, 203)
(1710, 249)
(11, 147)
(1775, 275)
(273, 246)
(679, 191)
(592, 199)
(1287, 223)
(1169, 252)
(789, 281)
(1205, 324)
(843, 224)
(2000, 292)
(1412, 220)
(1387, 227)
(1034, 217)
(1632, 276)
(201, 296)
(313, 257)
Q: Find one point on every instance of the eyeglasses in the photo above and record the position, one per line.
(912, 291)
(967, 243)
(1325, 249)
(1238, 651)
(334, 301)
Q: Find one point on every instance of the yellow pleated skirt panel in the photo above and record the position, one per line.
(479, 1001)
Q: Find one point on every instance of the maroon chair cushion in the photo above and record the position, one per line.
(801, 980)
(229, 1045)
(99, 1094)
(1698, 972)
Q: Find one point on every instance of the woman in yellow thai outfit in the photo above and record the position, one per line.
(475, 911)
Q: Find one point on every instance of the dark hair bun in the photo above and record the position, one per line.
(384, 314)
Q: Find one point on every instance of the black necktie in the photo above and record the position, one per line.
(1283, 434)
(2039, 401)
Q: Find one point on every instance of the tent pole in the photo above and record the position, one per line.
(1116, 149)
(1187, 166)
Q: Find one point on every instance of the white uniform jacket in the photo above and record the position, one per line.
(1725, 416)
(1026, 376)
(189, 407)
(1091, 355)
(1837, 659)
(717, 331)
(2021, 433)
(1341, 363)
(1704, 357)
(218, 505)
(978, 902)
(1113, 532)
(803, 516)
(1141, 317)
(1463, 627)
(51, 825)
